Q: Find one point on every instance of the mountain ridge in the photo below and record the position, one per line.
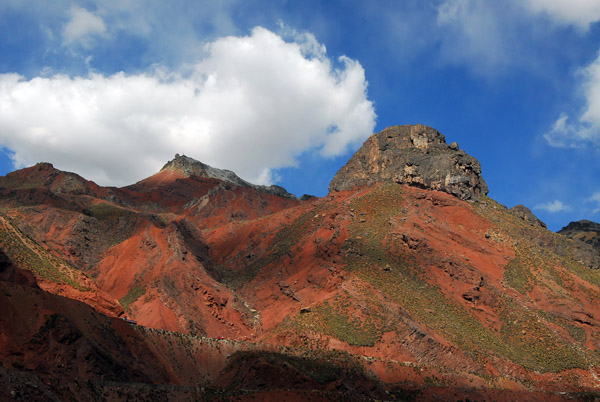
(428, 290)
(190, 167)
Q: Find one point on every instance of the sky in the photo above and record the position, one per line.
(284, 92)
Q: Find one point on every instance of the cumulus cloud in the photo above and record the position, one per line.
(553, 206)
(580, 13)
(586, 129)
(82, 27)
(253, 104)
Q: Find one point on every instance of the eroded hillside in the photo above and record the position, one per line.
(406, 278)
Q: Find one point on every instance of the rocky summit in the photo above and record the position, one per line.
(525, 213)
(190, 167)
(586, 237)
(416, 155)
(584, 230)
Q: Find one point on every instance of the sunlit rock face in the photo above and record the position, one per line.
(416, 155)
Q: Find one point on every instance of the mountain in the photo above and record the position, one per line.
(586, 231)
(405, 282)
(416, 155)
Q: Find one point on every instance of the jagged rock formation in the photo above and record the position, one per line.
(525, 213)
(587, 241)
(416, 155)
(191, 167)
(584, 230)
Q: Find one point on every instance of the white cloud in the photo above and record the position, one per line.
(491, 37)
(586, 130)
(488, 38)
(472, 34)
(553, 206)
(595, 198)
(565, 135)
(580, 13)
(82, 27)
(252, 105)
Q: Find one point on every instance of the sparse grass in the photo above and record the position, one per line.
(337, 321)
(27, 254)
(285, 238)
(541, 247)
(538, 346)
(574, 331)
(105, 211)
(134, 293)
(371, 247)
(517, 273)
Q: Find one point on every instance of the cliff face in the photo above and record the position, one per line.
(416, 155)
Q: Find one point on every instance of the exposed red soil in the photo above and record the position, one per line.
(204, 258)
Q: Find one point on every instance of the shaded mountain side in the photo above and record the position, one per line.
(59, 337)
(423, 284)
(65, 350)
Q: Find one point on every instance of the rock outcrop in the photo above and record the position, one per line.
(416, 155)
(525, 213)
(191, 167)
(584, 230)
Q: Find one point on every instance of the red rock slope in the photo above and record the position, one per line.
(417, 278)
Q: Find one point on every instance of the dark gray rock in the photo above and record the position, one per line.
(585, 246)
(525, 213)
(584, 230)
(416, 155)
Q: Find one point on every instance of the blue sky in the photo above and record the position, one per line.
(286, 91)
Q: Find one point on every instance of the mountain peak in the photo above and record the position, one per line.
(417, 155)
(584, 230)
(191, 167)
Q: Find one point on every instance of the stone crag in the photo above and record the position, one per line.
(416, 155)
(586, 231)
(191, 167)
(587, 241)
(525, 213)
